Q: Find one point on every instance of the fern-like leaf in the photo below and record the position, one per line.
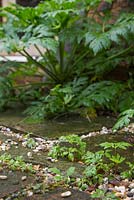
(124, 119)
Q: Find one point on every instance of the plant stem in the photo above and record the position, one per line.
(50, 59)
(120, 53)
(80, 58)
(116, 55)
(38, 49)
(40, 65)
(44, 56)
(61, 56)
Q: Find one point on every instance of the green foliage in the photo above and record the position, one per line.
(75, 95)
(112, 154)
(77, 54)
(115, 145)
(58, 101)
(130, 172)
(63, 178)
(73, 148)
(31, 143)
(97, 165)
(30, 28)
(126, 101)
(6, 91)
(93, 158)
(100, 94)
(122, 29)
(101, 194)
(124, 119)
(16, 163)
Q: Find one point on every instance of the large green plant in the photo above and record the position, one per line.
(51, 25)
(74, 45)
(67, 35)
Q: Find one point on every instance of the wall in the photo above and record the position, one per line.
(6, 2)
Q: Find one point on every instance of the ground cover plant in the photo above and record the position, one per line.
(73, 68)
(16, 163)
(100, 167)
(73, 150)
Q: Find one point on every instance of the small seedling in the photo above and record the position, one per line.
(72, 148)
(102, 195)
(16, 163)
(63, 178)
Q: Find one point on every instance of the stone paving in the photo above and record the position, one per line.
(19, 185)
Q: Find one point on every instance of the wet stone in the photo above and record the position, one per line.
(3, 177)
(29, 193)
(29, 154)
(75, 195)
(66, 194)
(121, 189)
(131, 185)
(130, 194)
(38, 192)
(23, 178)
(132, 191)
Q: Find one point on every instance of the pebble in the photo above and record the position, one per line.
(23, 193)
(132, 191)
(40, 147)
(35, 150)
(23, 178)
(29, 154)
(105, 180)
(8, 140)
(3, 177)
(103, 187)
(4, 147)
(29, 193)
(121, 189)
(125, 183)
(66, 194)
(130, 194)
(104, 130)
(38, 192)
(40, 139)
(131, 185)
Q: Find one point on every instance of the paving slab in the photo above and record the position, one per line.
(56, 195)
(13, 183)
